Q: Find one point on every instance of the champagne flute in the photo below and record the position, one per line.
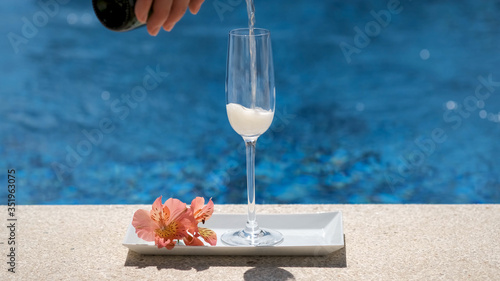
(250, 98)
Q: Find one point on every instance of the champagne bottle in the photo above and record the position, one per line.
(116, 15)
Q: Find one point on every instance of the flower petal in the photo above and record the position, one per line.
(173, 230)
(202, 214)
(193, 241)
(188, 220)
(144, 225)
(167, 243)
(175, 208)
(208, 235)
(197, 204)
(170, 245)
(157, 213)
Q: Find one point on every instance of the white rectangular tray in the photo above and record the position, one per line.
(304, 235)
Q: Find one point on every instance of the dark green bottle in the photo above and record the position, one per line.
(117, 15)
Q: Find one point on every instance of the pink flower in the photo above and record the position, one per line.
(170, 222)
(164, 223)
(201, 214)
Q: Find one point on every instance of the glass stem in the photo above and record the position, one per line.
(252, 228)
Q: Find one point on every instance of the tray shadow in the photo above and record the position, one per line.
(336, 259)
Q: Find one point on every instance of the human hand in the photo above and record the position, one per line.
(166, 13)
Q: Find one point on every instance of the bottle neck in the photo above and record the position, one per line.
(116, 15)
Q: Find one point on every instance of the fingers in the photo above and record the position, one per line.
(178, 10)
(166, 13)
(142, 8)
(161, 12)
(194, 6)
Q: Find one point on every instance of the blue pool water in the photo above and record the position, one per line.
(413, 117)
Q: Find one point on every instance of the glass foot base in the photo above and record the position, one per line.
(265, 237)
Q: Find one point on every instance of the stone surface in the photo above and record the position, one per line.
(383, 242)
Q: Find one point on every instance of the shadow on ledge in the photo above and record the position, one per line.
(336, 259)
(268, 273)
